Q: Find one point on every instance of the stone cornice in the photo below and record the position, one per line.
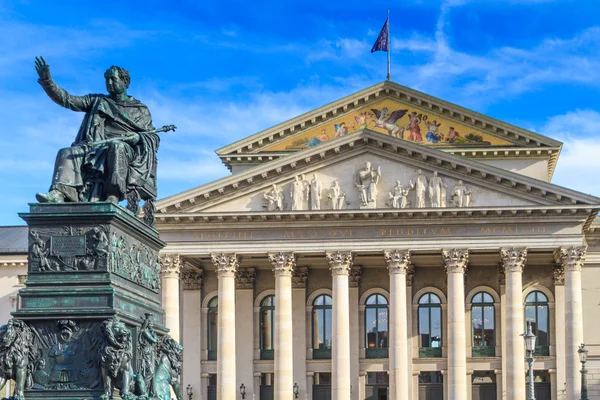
(170, 265)
(192, 278)
(398, 261)
(417, 155)
(226, 264)
(455, 260)
(571, 258)
(513, 260)
(387, 89)
(340, 262)
(283, 263)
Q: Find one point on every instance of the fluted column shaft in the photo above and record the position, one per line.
(170, 268)
(513, 261)
(226, 266)
(456, 264)
(340, 263)
(572, 260)
(283, 266)
(398, 263)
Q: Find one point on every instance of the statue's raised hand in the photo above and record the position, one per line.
(42, 68)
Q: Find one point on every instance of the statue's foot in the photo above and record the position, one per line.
(113, 199)
(53, 196)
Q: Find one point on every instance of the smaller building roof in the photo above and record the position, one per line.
(13, 239)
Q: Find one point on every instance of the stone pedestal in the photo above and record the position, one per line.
(88, 262)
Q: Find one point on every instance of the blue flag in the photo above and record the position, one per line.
(383, 40)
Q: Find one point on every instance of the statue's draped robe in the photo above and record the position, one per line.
(117, 166)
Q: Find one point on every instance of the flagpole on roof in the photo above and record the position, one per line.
(389, 48)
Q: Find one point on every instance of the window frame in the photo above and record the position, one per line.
(321, 353)
(377, 351)
(540, 350)
(212, 353)
(430, 352)
(489, 350)
(267, 354)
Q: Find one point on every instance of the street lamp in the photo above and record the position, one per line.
(296, 390)
(529, 338)
(243, 390)
(583, 352)
(189, 392)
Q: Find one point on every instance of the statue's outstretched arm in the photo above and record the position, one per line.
(56, 93)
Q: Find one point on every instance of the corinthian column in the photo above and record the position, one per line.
(170, 267)
(340, 264)
(572, 260)
(456, 265)
(283, 266)
(513, 261)
(398, 263)
(226, 265)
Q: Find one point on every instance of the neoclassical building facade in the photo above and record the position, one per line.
(389, 245)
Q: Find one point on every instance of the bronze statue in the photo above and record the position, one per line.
(113, 156)
(16, 355)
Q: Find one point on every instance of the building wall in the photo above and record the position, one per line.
(591, 325)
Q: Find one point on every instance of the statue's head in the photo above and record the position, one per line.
(460, 183)
(398, 183)
(434, 173)
(368, 165)
(117, 80)
(66, 328)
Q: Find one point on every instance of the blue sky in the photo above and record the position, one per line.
(224, 70)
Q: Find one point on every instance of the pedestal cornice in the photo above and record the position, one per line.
(283, 263)
(340, 262)
(398, 261)
(571, 258)
(455, 260)
(225, 264)
(513, 260)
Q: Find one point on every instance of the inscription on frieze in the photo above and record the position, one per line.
(67, 246)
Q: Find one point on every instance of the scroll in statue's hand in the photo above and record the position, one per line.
(42, 68)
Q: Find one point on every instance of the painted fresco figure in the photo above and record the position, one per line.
(398, 197)
(413, 127)
(274, 198)
(114, 153)
(432, 135)
(366, 181)
(461, 195)
(297, 194)
(420, 187)
(437, 191)
(315, 193)
(337, 196)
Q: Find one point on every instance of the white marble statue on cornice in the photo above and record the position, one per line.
(420, 187)
(315, 193)
(397, 198)
(437, 191)
(297, 194)
(338, 198)
(366, 181)
(305, 192)
(461, 195)
(274, 199)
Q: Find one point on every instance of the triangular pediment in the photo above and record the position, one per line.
(392, 109)
(342, 159)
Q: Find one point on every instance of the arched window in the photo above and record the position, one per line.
(267, 326)
(537, 312)
(376, 326)
(321, 323)
(483, 333)
(430, 326)
(213, 312)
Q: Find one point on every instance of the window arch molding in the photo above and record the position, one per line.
(429, 289)
(368, 293)
(261, 296)
(317, 293)
(487, 289)
(208, 298)
(539, 288)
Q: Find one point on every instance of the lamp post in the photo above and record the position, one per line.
(189, 392)
(529, 338)
(243, 390)
(296, 390)
(583, 352)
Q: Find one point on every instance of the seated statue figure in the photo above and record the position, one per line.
(114, 154)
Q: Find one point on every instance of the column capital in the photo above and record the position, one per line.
(559, 275)
(355, 274)
(283, 263)
(513, 260)
(398, 261)
(170, 265)
(340, 262)
(244, 278)
(571, 258)
(225, 264)
(192, 278)
(299, 277)
(456, 260)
